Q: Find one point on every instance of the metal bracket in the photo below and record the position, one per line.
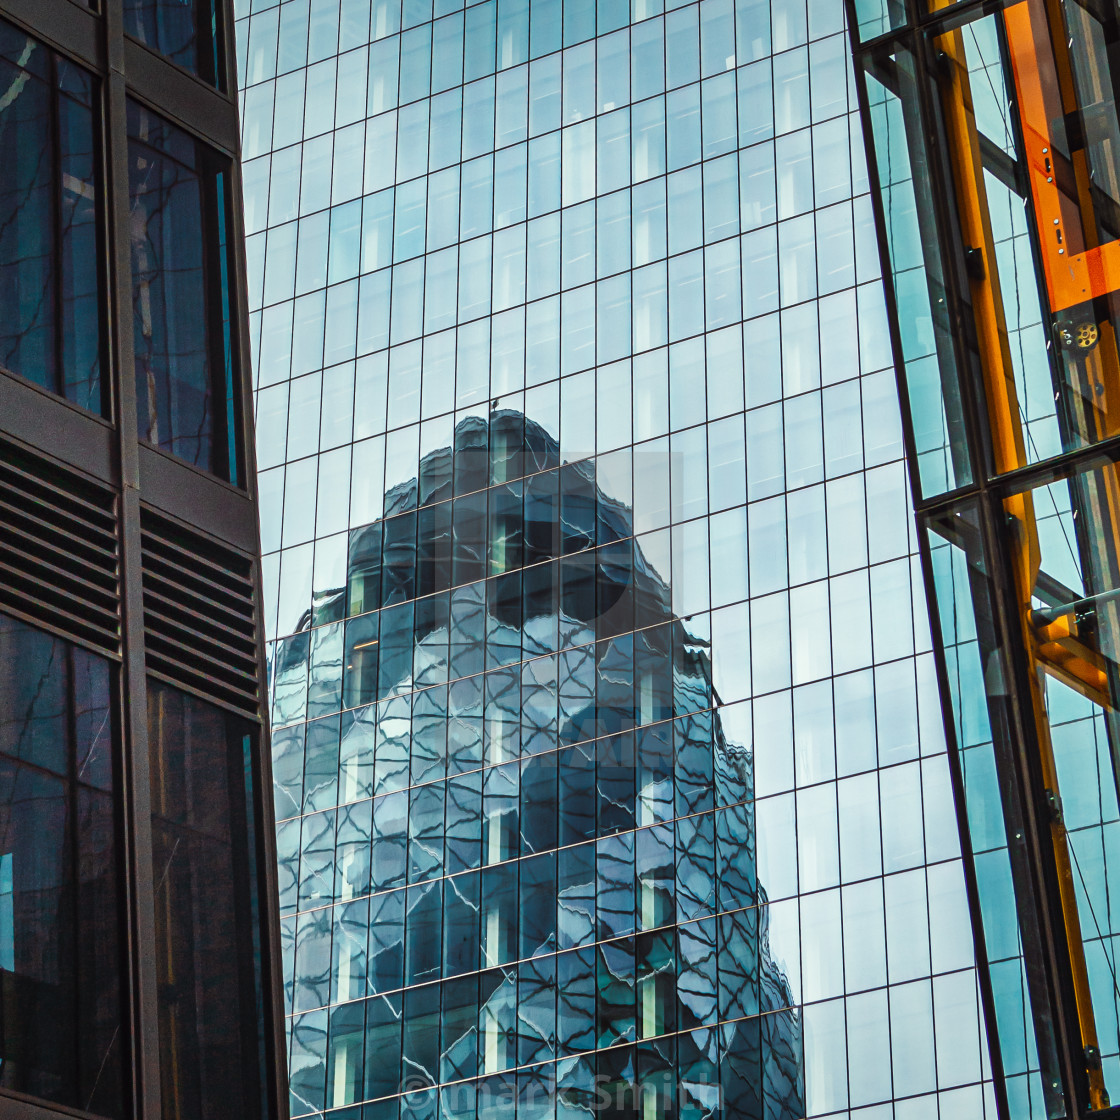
(1054, 805)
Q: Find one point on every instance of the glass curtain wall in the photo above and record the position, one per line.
(610, 764)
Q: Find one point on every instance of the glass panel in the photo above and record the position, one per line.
(877, 17)
(206, 890)
(982, 719)
(60, 985)
(1033, 243)
(916, 273)
(186, 31)
(50, 259)
(185, 398)
(1028, 412)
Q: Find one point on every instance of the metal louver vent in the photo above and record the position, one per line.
(199, 619)
(58, 550)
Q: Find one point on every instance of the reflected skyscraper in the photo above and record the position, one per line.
(534, 772)
(610, 760)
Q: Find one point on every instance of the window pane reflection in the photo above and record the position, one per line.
(50, 264)
(499, 881)
(185, 31)
(182, 333)
(60, 997)
(204, 871)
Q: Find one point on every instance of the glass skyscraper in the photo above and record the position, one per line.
(609, 757)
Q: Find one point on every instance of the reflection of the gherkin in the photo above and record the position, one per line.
(540, 728)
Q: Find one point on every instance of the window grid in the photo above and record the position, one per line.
(780, 410)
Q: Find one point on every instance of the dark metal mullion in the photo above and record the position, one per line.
(914, 11)
(208, 173)
(74, 811)
(253, 980)
(216, 46)
(1026, 746)
(108, 395)
(55, 281)
(268, 872)
(960, 808)
(145, 1073)
(1091, 457)
(228, 398)
(971, 416)
(884, 258)
(232, 392)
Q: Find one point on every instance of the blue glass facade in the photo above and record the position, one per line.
(609, 758)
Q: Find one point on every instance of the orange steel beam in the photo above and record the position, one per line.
(1049, 655)
(1076, 268)
(1074, 274)
(1068, 658)
(1007, 433)
(976, 229)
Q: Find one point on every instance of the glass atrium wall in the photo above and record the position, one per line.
(610, 764)
(994, 140)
